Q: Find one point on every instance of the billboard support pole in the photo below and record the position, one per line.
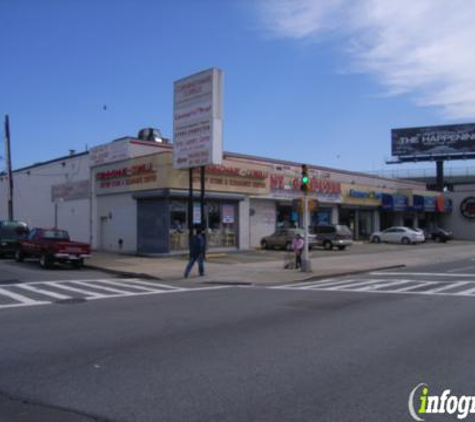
(440, 175)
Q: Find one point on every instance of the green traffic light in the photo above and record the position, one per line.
(305, 179)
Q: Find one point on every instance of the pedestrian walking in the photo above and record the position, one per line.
(197, 253)
(298, 249)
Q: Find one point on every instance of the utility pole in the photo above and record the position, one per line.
(304, 187)
(8, 159)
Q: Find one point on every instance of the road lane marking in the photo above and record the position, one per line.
(126, 285)
(377, 286)
(87, 293)
(423, 274)
(15, 296)
(42, 291)
(100, 287)
(449, 287)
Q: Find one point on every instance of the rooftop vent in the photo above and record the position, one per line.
(152, 135)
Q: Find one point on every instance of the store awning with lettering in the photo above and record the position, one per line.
(394, 202)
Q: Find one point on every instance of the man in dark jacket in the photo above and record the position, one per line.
(197, 253)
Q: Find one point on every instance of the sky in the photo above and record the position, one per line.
(321, 82)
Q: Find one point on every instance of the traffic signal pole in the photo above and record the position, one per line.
(304, 187)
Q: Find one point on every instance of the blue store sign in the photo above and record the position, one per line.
(394, 202)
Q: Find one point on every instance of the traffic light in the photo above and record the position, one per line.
(304, 179)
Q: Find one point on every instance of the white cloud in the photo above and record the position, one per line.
(424, 48)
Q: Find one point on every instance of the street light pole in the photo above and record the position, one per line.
(8, 157)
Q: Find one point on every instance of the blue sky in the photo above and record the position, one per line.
(321, 82)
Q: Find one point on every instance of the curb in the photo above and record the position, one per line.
(145, 276)
(124, 274)
(343, 274)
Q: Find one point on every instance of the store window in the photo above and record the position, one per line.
(221, 221)
(365, 224)
(322, 216)
(178, 226)
(222, 224)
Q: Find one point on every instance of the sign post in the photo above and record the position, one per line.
(198, 128)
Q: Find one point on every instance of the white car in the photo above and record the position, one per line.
(404, 235)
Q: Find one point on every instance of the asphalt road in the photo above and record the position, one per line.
(240, 354)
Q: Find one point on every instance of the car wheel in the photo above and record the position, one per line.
(264, 244)
(328, 245)
(376, 239)
(405, 241)
(341, 248)
(45, 261)
(19, 257)
(78, 264)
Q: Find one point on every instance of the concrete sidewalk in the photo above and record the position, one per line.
(238, 267)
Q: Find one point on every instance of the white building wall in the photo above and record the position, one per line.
(461, 227)
(117, 219)
(32, 199)
(262, 220)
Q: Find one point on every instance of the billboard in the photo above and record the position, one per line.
(198, 120)
(433, 141)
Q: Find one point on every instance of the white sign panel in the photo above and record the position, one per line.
(107, 153)
(198, 120)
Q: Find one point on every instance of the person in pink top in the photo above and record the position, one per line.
(298, 249)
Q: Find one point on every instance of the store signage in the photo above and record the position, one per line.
(424, 203)
(114, 151)
(467, 207)
(430, 141)
(70, 191)
(137, 174)
(198, 120)
(365, 194)
(394, 202)
(228, 214)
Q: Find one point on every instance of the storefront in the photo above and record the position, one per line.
(360, 210)
(155, 197)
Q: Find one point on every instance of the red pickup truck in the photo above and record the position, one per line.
(50, 246)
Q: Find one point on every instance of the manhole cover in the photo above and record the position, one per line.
(71, 301)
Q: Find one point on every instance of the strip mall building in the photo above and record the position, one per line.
(127, 196)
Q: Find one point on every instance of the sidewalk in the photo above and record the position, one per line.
(238, 267)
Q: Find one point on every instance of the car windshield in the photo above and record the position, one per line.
(55, 234)
(343, 229)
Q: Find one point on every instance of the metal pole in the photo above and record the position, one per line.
(8, 158)
(306, 264)
(202, 204)
(440, 175)
(190, 208)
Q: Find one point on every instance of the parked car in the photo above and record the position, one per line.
(332, 235)
(11, 232)
(50, 246)
(283, 239)
(404, 235)
(438, 234)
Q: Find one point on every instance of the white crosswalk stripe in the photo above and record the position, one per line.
(440, 284)
(48, 292)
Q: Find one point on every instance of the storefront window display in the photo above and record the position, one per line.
(178, 226)
(220, 220)
(322, 216)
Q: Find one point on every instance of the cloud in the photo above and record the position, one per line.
(423, 48)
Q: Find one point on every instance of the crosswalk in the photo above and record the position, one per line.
(49, 292)
(443, 284)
